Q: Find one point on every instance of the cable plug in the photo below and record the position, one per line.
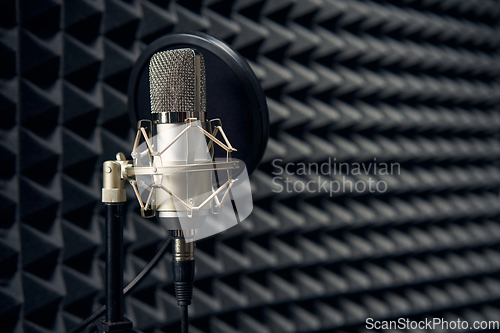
(183, 265)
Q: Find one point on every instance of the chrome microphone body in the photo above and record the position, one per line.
(177, 93)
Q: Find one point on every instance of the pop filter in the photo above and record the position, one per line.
(233, 93)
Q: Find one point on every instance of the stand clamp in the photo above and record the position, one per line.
(114, 180)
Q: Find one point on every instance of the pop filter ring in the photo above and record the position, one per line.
(253, 116)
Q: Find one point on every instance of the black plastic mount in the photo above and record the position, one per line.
(119, 327)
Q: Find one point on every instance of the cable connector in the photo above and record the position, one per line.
(183, 271)
(183, 265)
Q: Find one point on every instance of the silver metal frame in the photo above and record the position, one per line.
(129, 171)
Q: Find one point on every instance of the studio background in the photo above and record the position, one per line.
(413, 82)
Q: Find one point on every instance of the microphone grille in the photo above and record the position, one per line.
(177, 81)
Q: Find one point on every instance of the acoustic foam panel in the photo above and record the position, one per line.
(414, 82)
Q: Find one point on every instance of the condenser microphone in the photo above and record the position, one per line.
(177, 95)
(193, 174)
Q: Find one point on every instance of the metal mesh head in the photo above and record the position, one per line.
(175, 77)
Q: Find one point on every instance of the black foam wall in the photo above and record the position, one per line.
(413, 82)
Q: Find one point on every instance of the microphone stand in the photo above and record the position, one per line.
(115, 176)
(114, 197)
